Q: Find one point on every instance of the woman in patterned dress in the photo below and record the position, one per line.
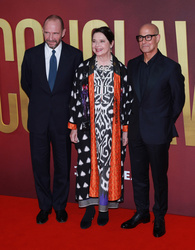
(99, 109)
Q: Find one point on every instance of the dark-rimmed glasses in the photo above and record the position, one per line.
(147, 37)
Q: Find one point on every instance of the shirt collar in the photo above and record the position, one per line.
(48, 50)
(152, 59)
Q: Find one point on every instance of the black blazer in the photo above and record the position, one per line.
(155, 113)
(44, 104)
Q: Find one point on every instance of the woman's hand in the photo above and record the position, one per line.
(125, 138)
(73, 136)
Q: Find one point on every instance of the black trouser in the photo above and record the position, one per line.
(40, 154)
(141, 155)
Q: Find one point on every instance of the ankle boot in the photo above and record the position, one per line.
(103, 218)
(88, 217)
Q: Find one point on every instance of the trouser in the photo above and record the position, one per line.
(40, 145)
(141, 156)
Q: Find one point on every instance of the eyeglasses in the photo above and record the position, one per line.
(147, 37)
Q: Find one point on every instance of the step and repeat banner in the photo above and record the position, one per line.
(21, 28)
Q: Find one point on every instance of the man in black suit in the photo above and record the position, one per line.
(158, 87)
(47, 75)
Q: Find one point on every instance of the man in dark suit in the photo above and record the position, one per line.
(158, 87)
(47, 76)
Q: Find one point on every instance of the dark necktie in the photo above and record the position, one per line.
(52, 70)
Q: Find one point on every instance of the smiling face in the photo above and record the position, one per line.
(100, 45)
(53, 33)
(149, 47)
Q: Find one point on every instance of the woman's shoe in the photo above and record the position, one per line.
(88, 217)
(103, 218)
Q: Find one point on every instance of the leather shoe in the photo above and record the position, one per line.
(159, 227)
(61, 215)
(42, 216)
(136, 220)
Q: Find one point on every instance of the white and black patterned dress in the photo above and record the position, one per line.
(103, 84)
(104, 101)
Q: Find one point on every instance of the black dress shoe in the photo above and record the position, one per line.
(136, 220)
(42, 216)
(103, 218)
(159, 227)
(88, 217)
(61, 215)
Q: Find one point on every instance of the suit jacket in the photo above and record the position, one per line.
(44, 104)
(154, 114)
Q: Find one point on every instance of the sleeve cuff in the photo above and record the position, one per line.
(125, 128)
(72, 126)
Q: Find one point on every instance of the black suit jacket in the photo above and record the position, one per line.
(155, 113)
(44, 104)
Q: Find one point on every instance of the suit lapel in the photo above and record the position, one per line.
(44, 83)
(62, 65)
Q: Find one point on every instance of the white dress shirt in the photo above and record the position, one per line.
(48, 53)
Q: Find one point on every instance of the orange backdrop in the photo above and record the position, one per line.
(20, 28)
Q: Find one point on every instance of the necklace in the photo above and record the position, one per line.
(104, 68)
(104, 72)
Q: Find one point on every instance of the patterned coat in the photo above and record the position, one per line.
(82, 114)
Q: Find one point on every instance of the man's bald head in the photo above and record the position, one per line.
(148, 39)
(149, 26)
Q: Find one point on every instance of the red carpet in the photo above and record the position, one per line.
(18, 230)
